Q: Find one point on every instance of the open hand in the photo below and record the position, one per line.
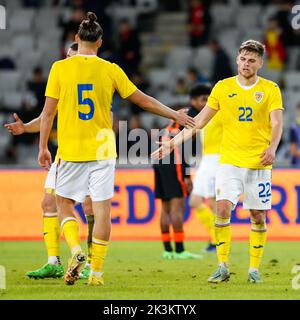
(15, 128)
(184, 120)
(166, 147)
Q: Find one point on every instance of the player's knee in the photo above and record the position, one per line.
(48, 203)
(258, 216)
(88, 209)
(87, 206)
(176, 218)
(223, 210)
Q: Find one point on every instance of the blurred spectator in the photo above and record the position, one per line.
(99, 8)
(194, 76)
(37, 86)
(276, 53)
(70, 28)
(198, 22)
(27, 113)
(221, 68)
(31, 3)
(181, 87)
(171, 6)
(138, 79)
(283, 16)
(129, 47)
(6, 63)
(295, 140)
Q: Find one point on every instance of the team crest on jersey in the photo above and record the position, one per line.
(258, 96)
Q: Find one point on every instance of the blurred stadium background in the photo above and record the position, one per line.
(164, 46)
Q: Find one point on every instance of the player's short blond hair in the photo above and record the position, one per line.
(253, 46)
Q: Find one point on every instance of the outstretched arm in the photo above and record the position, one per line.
(18, 127)
(201, 120)
(47, 117)
(152, 105)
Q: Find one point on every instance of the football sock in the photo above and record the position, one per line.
(51, 231)
(258, 236)
(179, 238)
(54, 260)
(99, 252)
(207, 217)
(91, 221)
(70, 229)
(166, 239)
(223, 236)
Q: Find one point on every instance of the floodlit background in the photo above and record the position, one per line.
(164, 46)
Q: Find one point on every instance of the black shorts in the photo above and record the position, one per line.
(168, 182)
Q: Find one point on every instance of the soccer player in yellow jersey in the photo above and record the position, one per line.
(81, 89)
(51, 227)
(251, 114)
(203, 197)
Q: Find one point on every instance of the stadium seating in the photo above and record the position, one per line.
(179, 58)
(247, 17)
(9, 80)
(161, 78)
(12, 100)
(292, 80)
(22, 20)
(222, 16)
(203, 60)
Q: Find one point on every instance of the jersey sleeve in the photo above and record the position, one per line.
(53, 88)
(276, 99)
(214, 97)
(122, 84)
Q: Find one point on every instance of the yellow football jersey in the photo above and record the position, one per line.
(84, 86)
(245, 114)
(212, 135)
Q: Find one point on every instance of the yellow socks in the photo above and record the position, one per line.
(223, 236)
(99, 251)
(207, 217)
(51, 231)
(70, 229)
(258, 236)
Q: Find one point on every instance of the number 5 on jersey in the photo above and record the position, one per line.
(86, 101)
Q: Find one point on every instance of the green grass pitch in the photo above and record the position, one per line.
(134, 270)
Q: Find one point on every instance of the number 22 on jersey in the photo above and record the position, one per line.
(245, 114)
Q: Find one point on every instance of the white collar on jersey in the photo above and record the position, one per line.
(86, 55)
(246, 87)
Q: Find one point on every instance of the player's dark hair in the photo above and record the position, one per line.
(89, 29)
(74, 46)
(253, 46)
(200, 89)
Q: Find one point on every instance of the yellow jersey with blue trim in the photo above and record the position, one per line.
(245, 116)
(84, 86)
